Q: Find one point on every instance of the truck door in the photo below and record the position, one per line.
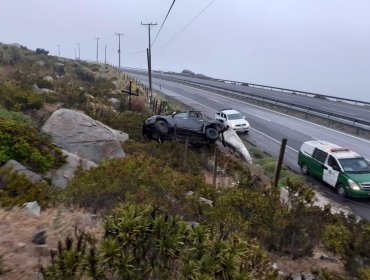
(331, 172)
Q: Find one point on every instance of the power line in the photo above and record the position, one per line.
(164, 21)
(186, 26)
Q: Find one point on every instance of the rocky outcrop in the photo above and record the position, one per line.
(233, 140)
(61, 176)
(81, 135)
(18, 168)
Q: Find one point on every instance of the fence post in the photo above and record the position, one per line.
(186, 150)
(280, 162)
(215, 167)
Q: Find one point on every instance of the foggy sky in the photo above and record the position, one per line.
(321, 46)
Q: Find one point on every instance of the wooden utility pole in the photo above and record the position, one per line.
(97, 49)
(149, 55)
(280, 161)
(79, 53)
(119, 50)
(105, 54)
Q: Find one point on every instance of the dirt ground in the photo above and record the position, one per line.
(17, 227)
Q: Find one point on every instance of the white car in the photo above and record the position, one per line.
(233, 119)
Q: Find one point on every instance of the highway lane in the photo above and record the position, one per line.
(268, 128)
(342, 108)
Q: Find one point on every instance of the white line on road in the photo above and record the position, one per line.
(349, 135)
(273, 139)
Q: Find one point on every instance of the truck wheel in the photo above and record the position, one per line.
(304, 168)
(162, 127)
(341, 190)
(211, 133)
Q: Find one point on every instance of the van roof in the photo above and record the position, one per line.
(330, 148)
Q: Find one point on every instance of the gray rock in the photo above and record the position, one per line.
(18, 168)
(32, 208)
(61, 176)
(81, 135)
(46, 90)
(89, 96)
(40, 62)
(115, 102)
(206, 201)
(232, 139)
(36, 89)
(39, 237)
(48, 78)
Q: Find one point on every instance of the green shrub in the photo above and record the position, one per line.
(145, 243)
(16, 189)
(336, 238)
(139, 179)
(17, 99)
(17, 116)
(27, 146)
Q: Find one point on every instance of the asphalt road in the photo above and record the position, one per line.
(268, 128)
(344, 109)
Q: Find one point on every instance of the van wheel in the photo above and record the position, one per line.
(304, 168)
(341, 190)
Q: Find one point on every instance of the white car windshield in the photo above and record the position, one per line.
(236, 116)
(355, 165)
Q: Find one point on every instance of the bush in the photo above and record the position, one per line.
(17, 99)
(16, 189)
(139, 179)
(27, 146)
(145, 243)
(42, 51)
(336, 238)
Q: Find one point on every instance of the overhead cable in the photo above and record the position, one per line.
(169, 10)
(186, 26)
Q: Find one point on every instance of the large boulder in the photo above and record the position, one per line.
(81, 135)
(61, 176)
(18, 168)
(233, 140)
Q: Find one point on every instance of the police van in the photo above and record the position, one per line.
(341, 168)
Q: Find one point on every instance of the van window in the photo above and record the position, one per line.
(355, 165)
(319, 155)
(333, 162)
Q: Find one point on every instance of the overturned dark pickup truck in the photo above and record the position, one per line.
(192, 124)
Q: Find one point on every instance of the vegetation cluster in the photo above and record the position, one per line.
(163, 220)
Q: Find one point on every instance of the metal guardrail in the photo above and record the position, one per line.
(358, 123)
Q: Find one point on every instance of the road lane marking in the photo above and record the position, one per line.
(273, 139)
(349, 135)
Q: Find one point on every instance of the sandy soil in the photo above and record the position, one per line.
(17, 228)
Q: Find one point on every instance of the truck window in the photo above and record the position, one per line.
(319, 155)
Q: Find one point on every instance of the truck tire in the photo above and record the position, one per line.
(211, 133)
(162, 127)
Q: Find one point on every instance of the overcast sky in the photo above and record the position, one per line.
(313, 45)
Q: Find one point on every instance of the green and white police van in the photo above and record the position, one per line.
(341, 168)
